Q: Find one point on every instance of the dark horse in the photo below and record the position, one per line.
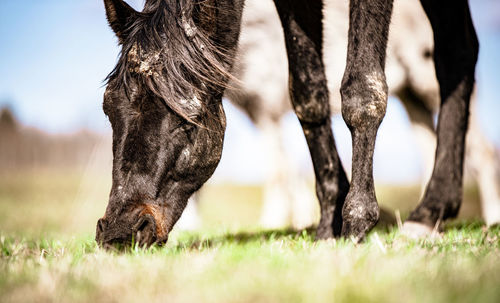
(164, 102)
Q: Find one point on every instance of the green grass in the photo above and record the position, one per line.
(47, 254)
(257, 267)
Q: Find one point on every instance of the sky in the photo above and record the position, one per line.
(54, 55)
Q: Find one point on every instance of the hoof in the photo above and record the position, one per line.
(386, 218)
(415, 230)
(328, 228)
(356, 230)
(359, 218)
(324, 233)
(330, 225)
(491, 212)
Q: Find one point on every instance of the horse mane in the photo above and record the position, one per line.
(174, 58)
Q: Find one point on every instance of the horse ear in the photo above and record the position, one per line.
(120, 15)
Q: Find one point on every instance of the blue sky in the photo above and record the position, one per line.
(54, 55)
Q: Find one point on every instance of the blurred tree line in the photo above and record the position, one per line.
(23, 148)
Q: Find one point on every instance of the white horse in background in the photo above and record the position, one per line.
(263, 94)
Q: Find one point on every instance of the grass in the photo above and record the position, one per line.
(47, 254)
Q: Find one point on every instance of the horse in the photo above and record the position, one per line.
(261, 92)
(164, 103)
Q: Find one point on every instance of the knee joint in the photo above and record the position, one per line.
(364, 100)
(314, 108)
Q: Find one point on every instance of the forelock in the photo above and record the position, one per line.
(172, 57)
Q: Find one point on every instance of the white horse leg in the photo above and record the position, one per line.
(190, 219)
(481, 161)
(276, 197)
(426, 140)
(305, 208)
(422, 125)
(286, 193)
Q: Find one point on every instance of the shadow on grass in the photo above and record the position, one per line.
(386, 225)
(199, 241)
(470, 225)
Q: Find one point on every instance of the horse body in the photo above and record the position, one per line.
(164, 103)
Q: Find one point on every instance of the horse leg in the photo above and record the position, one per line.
(480, 158)
(364, 101)
(482, 161)
(276, 204)
(304, 207)
(286, 195)
(455, 56)
(190, 218)
(421, 118)
(302, 26)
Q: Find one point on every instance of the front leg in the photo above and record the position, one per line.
(364, 101)
(302, 25)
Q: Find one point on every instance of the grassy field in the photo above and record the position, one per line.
(47, 253)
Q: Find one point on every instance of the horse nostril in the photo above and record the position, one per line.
(101, 225)
(99, 233)
(145, 230)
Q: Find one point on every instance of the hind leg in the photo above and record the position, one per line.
(480, 158)
(421, 118)
(302, 26)
(455, 56)
(190, 218)
(276, 197)
(286, 194)
(482, 161)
